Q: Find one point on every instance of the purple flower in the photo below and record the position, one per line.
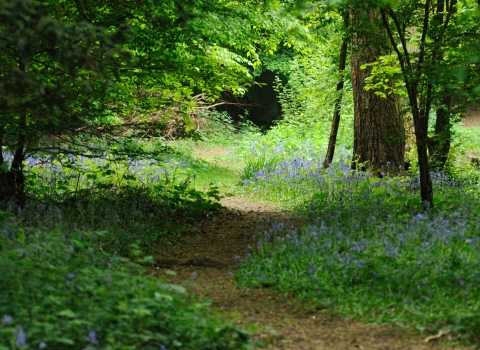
(92, 336)
(7, 319)
(460, 281)
(21, 339)
(42, 345)
(71, 276)
(193, 276)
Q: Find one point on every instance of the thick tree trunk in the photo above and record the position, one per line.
(338, 103)
(379, 132)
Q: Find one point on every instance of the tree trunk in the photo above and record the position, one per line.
(379, 132)
(12, 180)
(420, 119)
(441, 141)
(338, 103)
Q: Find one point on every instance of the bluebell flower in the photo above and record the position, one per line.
(92, 336)
(42, 345)
(193, 276)
(460, 281)
(21, 338)
(7, 319)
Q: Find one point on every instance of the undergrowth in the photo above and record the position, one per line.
(67, 280)
(368, 252)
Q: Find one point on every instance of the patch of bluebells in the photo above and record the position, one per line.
(53, 174)
(56, 178)
(426, 260)
(339, 193)
(364, 245)
(297, 175)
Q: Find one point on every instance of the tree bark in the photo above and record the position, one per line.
(379, 131)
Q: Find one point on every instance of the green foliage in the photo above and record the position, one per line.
(59, 292)
(134, 201)
(72, 70)
(257, 161)
(218, 128)
(382, 72)
(65, 282)
(308, 98)
(467, 141)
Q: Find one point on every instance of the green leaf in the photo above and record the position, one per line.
(67, 313)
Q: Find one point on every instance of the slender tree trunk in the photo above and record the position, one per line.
(338, 103)
(17, 164)
(12, 179)
(420, 119)
(379, 131)
(440, 142)
(417, 69)
(412, 74)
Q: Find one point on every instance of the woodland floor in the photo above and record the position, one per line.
(472, 117)
(278, 322)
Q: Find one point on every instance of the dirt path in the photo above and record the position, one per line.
(280, 323)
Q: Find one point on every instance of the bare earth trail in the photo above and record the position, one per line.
(281, 322)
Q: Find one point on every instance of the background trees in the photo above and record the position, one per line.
(75, 70)
(433, 66)
(55, 77)
(421, 34)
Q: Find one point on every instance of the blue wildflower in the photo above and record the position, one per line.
(92, 336)
(7, 319)
(21, 338)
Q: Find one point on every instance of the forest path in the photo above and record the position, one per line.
(279, 322)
